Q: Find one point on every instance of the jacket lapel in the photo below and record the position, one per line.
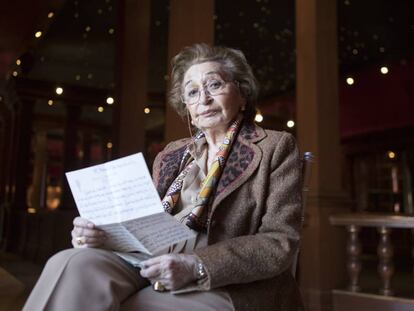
(243, 160)
(169, 169)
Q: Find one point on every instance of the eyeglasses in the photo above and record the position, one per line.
(211, 87)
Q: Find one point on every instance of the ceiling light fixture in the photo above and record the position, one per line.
(391, 154)
(259, 117)
(384, 70)
(110, 100)
(350, 81)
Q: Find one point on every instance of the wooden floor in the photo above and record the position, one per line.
(347, 301)
(17, 278)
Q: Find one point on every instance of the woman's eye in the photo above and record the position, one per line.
(192, 93)
(214, 85)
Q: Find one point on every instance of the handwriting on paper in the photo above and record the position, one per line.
(120, 198)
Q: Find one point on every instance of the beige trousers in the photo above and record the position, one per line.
(95, 279)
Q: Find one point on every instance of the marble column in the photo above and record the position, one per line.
(322, 251)
(70, 154)
(37, 199)
(22, 154)
(191, 21)
(16, 233)
(132, 76)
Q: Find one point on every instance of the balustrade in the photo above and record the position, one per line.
(384, 224)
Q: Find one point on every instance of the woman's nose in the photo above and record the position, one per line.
(205, 97)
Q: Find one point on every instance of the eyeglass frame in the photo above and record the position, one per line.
(208, 93)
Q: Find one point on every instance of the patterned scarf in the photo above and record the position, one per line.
(195, 219)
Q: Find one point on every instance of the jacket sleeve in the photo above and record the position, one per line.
(270, 251)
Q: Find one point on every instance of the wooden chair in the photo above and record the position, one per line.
(306, 173)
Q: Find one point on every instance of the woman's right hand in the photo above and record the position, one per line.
(85, 234)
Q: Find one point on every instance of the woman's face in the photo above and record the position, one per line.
(219, 100)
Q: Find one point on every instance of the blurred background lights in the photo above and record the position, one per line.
(59, 90)
(100, 109)
(15, 73)
(18, 62)
(110, 100)
(350, 81)
(50, 15)
(109, 145)
(391, 154)
(290, 123)
(258, 118)
(147, 110)
(38, 34)
(384, 70)
(50, 102)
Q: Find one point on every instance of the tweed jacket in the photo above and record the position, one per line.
(255, 221)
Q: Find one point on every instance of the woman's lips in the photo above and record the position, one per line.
(208, 113)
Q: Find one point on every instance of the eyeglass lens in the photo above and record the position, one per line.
(211, 87)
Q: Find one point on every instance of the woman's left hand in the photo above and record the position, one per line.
(174, 271)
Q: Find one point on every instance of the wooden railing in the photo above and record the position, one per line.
(384, 224)
(354, 298)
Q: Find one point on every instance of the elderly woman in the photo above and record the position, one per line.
(235, 184)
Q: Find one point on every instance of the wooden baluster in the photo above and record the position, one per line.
(353, 249)
(412, 246)
(385, 265)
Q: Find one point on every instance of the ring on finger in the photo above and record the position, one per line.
(159, 287)
(80, 240)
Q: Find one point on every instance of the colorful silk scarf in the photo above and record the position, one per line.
(198, 218)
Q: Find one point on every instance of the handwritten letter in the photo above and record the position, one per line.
(120, 198)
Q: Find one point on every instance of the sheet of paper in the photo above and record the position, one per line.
(134, 259)
(158, 231)
(115, 191)
(120, 198)
(120, 239)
